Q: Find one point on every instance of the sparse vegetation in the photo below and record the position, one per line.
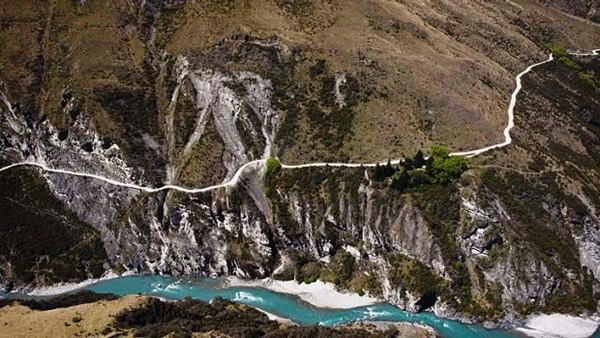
(428, 181)
(273, 168)
(544, 237)
(311, 115)
(409, 274)
(122, 86)
(440, 205)
(41, 239)
(587, 78)
(296, 7)
(562, 56)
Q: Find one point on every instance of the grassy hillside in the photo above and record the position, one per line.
(424, 72)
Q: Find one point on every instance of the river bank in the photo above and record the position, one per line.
(316, 303)
(559, 325)
(318, 293)
(62, 288)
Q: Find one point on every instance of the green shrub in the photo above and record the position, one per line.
(439, 151)
(419, 160)
(381, 172)
(485, 173)
(367, 282)
(400, 180)
(442, 167)
(557, 51)
(320, 67)
(414, 276)
(342, 265)
(62, 301)
(187, 318)
(445, 169)
(310, 272)
(158, 319)
(567, 61)
(273, 166)
(561, 55)
(587, 78)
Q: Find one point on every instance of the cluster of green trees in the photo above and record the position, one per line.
(339, 271)
(561, 55)
(409, 274)
(188, 317)
(180, 319)
(439, 168)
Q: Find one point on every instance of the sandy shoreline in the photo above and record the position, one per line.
(275, 317)
(61, 288)
(559, 326)
(319, 294)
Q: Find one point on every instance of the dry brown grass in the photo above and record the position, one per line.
(85, 320)
(204, 167)
(442, 71)
(448, 66)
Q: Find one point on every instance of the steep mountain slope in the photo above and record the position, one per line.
(426, 69)
(186, 93)
(589, 9)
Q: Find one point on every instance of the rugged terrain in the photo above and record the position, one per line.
(185, 93)
(91, 315)
(589, 9)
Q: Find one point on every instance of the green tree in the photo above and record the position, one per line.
(383, 172)
(561, 55)
(557, 51)
(419, 177)
(408, 163)
(342, 265)
(445, 169)
(273, 167)
(419, 160)
(400, 180)
(442, 167)
(439, 151)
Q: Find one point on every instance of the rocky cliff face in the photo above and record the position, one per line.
(516, 233)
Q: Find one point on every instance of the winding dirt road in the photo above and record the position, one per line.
(260, 163)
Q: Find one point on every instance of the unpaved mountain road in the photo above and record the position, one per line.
(257, 164)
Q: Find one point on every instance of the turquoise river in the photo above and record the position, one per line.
(283, 305)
